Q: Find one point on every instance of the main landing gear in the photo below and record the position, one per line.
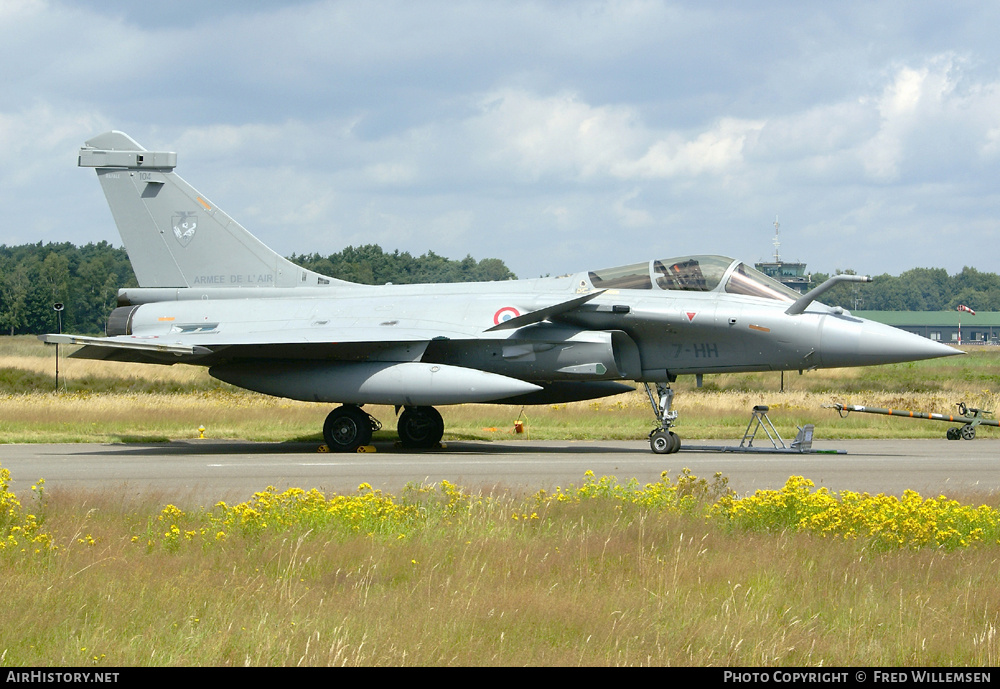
(348, 427)
(662, 440)
(420, 427)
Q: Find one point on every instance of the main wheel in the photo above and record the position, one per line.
(953, 433)
(420, 427)
(968, 432)
(347, 428)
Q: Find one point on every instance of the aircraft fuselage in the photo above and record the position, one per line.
(299, 336)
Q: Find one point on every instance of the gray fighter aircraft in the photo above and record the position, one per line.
(212, 294)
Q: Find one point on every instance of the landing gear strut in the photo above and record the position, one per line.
(420, 427)
(347, 428)
(662, 440)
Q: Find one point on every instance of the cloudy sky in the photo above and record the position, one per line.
(557, 136)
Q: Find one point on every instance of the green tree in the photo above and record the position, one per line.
(370, 265)
(14, 285)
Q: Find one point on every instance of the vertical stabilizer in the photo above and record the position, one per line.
(175, 236)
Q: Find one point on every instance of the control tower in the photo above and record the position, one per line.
(789, 274)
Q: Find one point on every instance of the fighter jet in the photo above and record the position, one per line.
(211, 294)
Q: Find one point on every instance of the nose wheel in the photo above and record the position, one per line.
(662, 440)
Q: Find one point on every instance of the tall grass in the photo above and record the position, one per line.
(596, 578)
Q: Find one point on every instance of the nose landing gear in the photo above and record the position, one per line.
(662, 440)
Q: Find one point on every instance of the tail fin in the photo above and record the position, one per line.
(175, 237)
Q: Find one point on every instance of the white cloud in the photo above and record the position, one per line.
(564, 136)
(935, 121)
(551, 135)
(392, 173)
(899, 108)
(631, 217)
(716, 151)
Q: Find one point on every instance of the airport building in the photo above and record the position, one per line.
(943, 326)
(791, 274)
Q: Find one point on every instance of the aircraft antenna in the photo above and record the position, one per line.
(776, 242)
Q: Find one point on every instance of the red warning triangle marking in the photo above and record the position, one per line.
(691, 315)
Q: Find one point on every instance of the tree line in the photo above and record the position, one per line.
(86, 279)
(919, 289)
(370, 265)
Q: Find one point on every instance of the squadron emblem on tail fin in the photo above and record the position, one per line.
(185, 223)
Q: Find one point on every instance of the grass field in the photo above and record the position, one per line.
(602, 574)
(103, 402)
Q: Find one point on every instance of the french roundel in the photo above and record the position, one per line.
(505, 314)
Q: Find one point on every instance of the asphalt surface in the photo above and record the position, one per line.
(202, 472)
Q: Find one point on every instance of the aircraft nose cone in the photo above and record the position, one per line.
(849, 341)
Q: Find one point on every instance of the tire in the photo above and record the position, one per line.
(677, 442)
(660, 443)
(664, 442)
(968, 432)
(420, 427)
(347, 428)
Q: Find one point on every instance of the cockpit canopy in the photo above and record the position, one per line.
(694, 274)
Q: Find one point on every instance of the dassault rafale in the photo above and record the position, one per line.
(211, 294)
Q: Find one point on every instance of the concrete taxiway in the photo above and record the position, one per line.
(201, 472)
